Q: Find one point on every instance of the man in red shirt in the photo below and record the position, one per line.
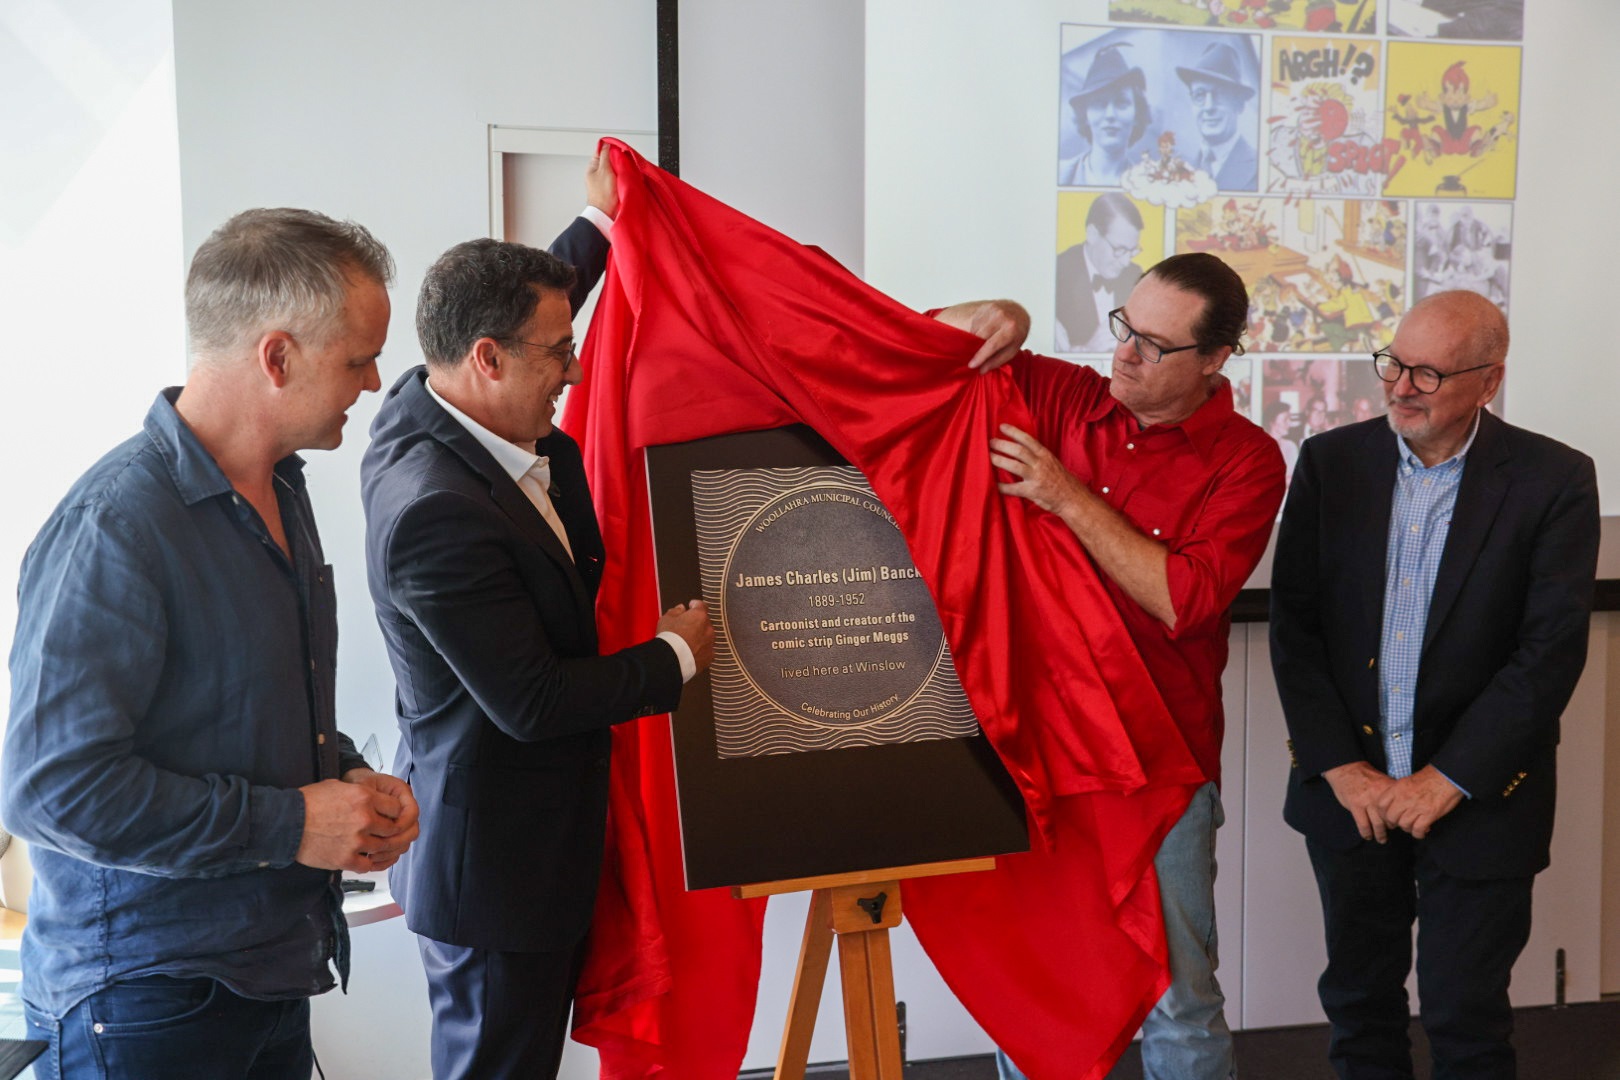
(1173, 495)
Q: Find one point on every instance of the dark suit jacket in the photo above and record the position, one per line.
(1241, 170)
(503, 703)
(1503, 646)
(1076, 309)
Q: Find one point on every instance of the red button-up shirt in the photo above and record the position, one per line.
(1207, 488)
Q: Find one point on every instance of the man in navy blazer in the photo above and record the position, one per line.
(1431, 592)
(484, 557)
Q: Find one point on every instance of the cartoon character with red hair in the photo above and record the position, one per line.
(1454, 134)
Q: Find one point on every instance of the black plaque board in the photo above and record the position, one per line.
(831, 735)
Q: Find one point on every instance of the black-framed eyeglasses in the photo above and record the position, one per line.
(1425, 379)
(563, 354)
(1146, 348)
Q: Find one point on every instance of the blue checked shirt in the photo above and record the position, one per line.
(1419, 519)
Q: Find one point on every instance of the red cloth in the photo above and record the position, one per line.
(711, 323)
(1208, 488)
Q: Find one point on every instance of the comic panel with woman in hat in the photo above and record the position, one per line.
(1171, 116)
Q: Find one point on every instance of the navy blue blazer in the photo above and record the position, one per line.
(503, 702)
(1503, 647)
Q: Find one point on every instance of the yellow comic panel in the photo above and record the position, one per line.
(1324, 16)
(1454, 109)
(1106, 240)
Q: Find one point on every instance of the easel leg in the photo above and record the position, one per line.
(870, 1016)
(814, 953)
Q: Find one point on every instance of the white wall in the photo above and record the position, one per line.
(90, 259)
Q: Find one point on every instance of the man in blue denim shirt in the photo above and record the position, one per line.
(172, 752)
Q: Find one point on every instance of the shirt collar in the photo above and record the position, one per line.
(1202, 428)
(1413, 461)
(513, 459)
(197, 476)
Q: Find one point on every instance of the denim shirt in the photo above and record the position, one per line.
(173, 684)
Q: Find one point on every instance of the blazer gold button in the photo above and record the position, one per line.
(1367, 728)
(1370, 661)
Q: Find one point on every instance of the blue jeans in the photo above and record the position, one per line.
(1185, 1037)
(161, 1027)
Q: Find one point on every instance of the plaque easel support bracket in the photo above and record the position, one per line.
(859, 909)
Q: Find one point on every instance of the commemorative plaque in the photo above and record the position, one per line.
(831, 733)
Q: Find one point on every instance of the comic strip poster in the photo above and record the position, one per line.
(1325, 16)
(1171, 116)
(1347, 159)
(1105, 242)
(1468, 20)
(1324, 126)
(1454, 110)
(1463, 246)
(1324, 275)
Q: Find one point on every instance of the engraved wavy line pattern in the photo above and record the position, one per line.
(749, 724)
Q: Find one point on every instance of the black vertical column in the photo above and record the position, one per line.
(669, 88)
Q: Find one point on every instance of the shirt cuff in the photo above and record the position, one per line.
(603, 223)
(1459, 787)
(683, 653)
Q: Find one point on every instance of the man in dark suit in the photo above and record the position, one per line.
(1095, 277)
(484, 558)
(1431, 591)
(1220, 92)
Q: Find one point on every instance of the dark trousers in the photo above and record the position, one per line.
(1469, 935)
(158, 1028)
(498, 1014)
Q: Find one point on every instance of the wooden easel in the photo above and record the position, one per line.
(859, 909)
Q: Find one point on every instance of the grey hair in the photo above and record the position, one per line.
(276, 269)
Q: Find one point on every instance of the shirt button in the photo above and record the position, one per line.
(1155, 532)
(1427, 481)
(1406, 582)
(99, 1029)
(1130, 446)
(312, 665)
(1414, 528)
(1400, 635)
(1396, 689)
(264, 866)
(1105, 491)
(1396, 736)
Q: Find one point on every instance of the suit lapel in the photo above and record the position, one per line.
(1479, 496)
(502, 488)
(1368, 528)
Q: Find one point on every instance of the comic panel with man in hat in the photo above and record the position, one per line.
(1454, 111)
(1324, 275)
(1317, 16)
(1171, 116)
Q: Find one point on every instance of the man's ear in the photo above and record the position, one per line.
(485, 357)
(275, 355)
(1214, 360)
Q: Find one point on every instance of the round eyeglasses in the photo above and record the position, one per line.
(1425, 379)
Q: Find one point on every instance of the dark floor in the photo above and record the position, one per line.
(1581, 1042)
